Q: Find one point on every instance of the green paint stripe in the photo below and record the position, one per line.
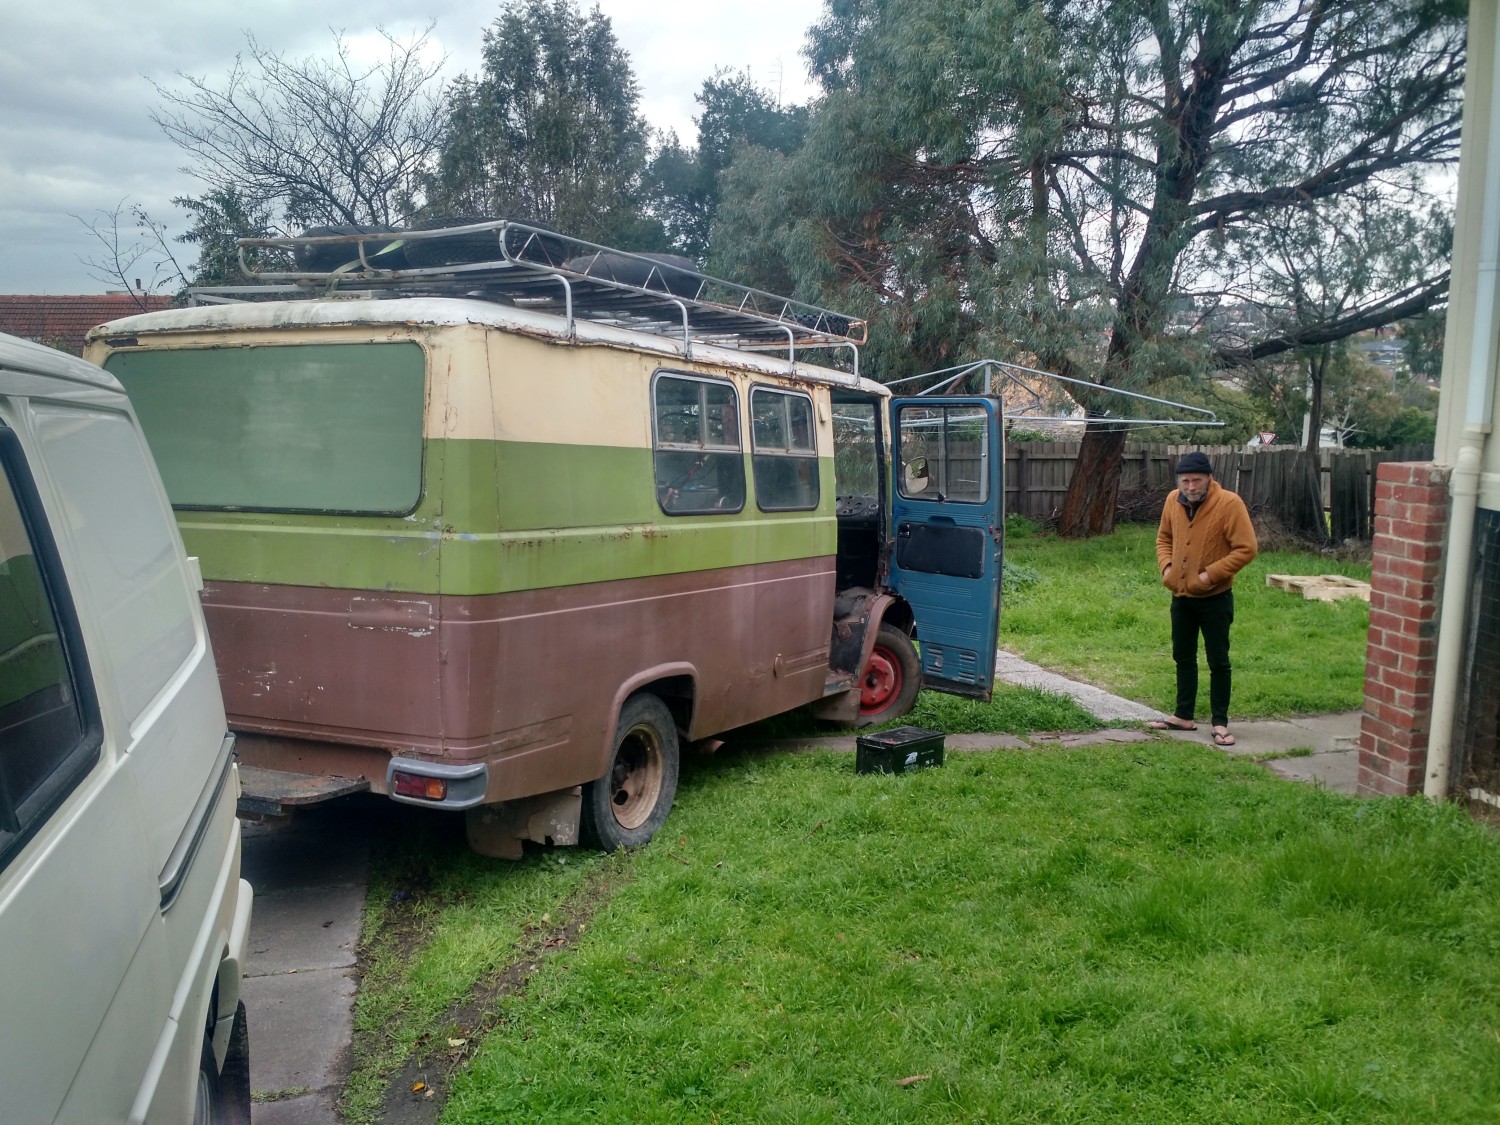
(571, 514)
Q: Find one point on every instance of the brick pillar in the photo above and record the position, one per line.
(1411, 519)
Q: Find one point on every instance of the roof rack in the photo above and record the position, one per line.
(535, 268)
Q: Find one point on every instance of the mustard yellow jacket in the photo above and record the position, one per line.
(1219, 540)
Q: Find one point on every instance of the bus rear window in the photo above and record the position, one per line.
(296, 428)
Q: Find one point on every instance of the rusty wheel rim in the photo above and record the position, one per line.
(881, 682)
(636, 779)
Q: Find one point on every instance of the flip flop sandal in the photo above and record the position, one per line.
(1157, 724)
(1223, 737)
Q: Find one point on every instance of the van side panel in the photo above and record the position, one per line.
(528, 678)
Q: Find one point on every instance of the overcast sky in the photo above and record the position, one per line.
(76, 91)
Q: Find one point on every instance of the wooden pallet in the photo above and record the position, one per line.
(1321, 587)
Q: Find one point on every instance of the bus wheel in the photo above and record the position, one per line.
(628, 804)
(892, 677)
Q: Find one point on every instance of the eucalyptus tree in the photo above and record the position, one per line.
(684, 181)
(1062, 181)
(549, 130)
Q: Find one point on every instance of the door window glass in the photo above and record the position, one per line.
(699, 464)
(784, 451)
(47, 738)
(944, 453)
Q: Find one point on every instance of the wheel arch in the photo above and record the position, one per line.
(675, 684)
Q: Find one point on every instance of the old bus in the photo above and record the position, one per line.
(494, 532)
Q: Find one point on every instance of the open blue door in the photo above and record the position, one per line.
(947, 517)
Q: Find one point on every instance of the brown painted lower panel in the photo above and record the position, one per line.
(529, 681)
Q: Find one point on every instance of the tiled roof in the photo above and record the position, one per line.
(63, 322)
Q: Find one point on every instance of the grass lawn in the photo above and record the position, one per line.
(1012, 710)
(1146, 933)
(1099, 613)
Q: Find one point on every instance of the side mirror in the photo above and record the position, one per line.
(915, 476)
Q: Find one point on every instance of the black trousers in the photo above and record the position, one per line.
(1211, 616)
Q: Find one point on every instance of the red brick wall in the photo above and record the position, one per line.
(1411, 517)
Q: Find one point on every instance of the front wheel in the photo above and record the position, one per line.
(207, 1105)
(626, 806)
(891, 678)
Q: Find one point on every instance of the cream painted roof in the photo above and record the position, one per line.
(441, 311)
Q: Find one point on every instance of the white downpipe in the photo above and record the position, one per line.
(1463, 487)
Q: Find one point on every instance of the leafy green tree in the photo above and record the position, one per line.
(550, 130)
(1051, 180)
(1321, 262)
(216, 220)
(684, 183)
(1422, 338)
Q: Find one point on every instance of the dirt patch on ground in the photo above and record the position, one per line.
(416, 1094)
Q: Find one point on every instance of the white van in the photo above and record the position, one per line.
(123, 917)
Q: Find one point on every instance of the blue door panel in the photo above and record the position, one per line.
(947, 521)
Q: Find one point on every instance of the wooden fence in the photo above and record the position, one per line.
(1274, 481)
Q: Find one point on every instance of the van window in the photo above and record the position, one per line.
(944, 450)
(295, 428)
(784, 450)
(127, 549)
(49, 735)
(699, 467)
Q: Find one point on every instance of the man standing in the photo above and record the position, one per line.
(1205, 538)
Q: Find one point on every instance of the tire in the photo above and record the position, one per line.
(625, 807)
(483, 246)
(207, 1106)
(891, 678)
(664, 273)
(234, 1079)
(326, 257)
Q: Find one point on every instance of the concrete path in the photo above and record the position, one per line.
(1333, 739)
(1319, 749)
(309, 877)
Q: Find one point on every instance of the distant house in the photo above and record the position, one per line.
(62, 321)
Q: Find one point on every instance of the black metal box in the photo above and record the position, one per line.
(898, 751)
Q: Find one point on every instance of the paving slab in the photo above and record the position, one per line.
(306, 928)
(1095, 700)
(984, 742)
(308, 1109)
(299, 1035)
(1337, 770)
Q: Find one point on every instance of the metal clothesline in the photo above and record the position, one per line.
(947, 376)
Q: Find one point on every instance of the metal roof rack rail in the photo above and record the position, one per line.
(531, 267)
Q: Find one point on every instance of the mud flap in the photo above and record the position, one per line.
(548, 818)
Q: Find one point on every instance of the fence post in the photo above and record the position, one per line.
(1022, 497)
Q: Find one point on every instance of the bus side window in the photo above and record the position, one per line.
(784, 450)
(696, 427)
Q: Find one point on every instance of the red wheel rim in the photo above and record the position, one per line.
(881, 682)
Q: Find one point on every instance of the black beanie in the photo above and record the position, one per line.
(1195, 462)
